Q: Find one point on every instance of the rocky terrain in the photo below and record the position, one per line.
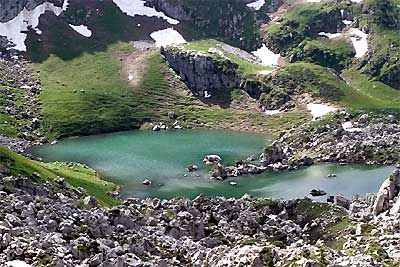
(55, 225)
(48, 222)
(344, 139)
(19, 89)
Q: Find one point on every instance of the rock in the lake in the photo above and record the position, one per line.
(317, 192)
(212, 159)
(192, 168)
(146, 182)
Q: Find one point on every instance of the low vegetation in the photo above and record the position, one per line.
(304, 21)
(336, 54)
(86, 95)
(383, 18)
(75, 174)
(353, 90)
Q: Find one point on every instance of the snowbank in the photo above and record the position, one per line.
(167, 37)
(268, 58)
(13, 29)
(136, 7)
(272, 112)
(330, 35)
(320, 110)
(360, 41)
(82, 30)
(257, 5)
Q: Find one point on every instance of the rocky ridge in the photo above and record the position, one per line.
(19, 89)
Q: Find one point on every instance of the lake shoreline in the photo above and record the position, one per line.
(170, 174)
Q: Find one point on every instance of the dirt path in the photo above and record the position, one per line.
(134, 67)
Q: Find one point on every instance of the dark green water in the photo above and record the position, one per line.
(130, 157)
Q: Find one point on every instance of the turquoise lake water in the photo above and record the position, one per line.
(128, 158)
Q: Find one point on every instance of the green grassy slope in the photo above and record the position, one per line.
(304, 21)
(356, 92)
(86, 95)
(370, 95)
(77, 175)
(383, 18)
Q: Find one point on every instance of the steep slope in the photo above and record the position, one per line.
(77, 175)
(383, 20)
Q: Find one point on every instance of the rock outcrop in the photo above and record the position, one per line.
(344, 139)
(387, 192)
(212, 73)
(204, 74)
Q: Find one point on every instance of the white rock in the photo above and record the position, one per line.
(17, 263)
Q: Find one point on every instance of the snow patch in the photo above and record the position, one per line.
(265, 72)
(347, 22)
(330, 35)
(257, 5)
(272, 111)
(348, 127)
(166, 37)
(319, 110)
(357, 1)
(65, 5)
(82, 30)
(17, 263)
(268, 58)
(207, 94)
(13, 29)
(360, 42)
(136, 7)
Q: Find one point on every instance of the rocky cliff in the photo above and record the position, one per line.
(9, 9)
(205, 74)
(211, 73)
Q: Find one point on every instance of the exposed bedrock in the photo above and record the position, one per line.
(208, 74)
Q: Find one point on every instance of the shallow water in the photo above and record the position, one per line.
(130, 157)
